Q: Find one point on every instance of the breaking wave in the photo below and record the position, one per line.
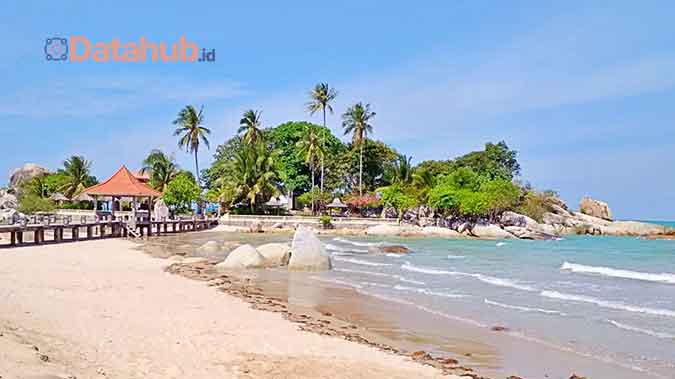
(360, 262)
(618, 273)
(500, 282)
(641, 330)
(608, 304)
(524, 309)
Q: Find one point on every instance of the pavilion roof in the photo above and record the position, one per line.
(122, 183)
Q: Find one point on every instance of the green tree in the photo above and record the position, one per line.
(321, 97)
(423, 181)
(394, 196)
(311, 150)
(191, 132)
(161, 168)
(402, 171)
(181, 192)
(250, 125)
(368, 164)
(356, 120)
(255, 173)
(496, 161)
(77, 171)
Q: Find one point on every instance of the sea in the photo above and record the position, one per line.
(611, 299)
(594, 306)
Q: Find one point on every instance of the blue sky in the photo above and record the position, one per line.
(585, 91)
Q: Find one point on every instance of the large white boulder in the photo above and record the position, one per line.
(275, 254)
(490, 231)
(7, 215)
(18, 177)
(7, 200)
(307, 252)
(245, 256)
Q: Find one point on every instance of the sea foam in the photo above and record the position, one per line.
(618, 273)
(358, 243)
(524, 309)
(360, 262)
(607, 303)
(641, 330)
(500, 282)
(429, 292)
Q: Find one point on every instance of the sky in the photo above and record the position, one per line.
(584, 91)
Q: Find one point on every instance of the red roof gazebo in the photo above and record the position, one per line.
(123, 184)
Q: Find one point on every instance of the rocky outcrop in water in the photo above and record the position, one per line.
(595, 208)
(388, 249)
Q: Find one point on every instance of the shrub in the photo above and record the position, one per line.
(326, 221)
(393, 196)
(535, 204)
(32, 203)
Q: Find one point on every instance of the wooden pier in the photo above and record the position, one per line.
(36, 234)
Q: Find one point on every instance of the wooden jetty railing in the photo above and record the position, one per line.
(65, 231)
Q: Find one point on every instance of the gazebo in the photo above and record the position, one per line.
(336, 204)
(58, 198)
(123, 184)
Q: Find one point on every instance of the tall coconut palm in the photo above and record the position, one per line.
(311, 151)
(77, 171)
(250, 125)
(356, 121)
(192, 133)
(161, 168)
(321, 97)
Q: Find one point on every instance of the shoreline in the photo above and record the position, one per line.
(322, 323)
(103, 309)
(509, 344)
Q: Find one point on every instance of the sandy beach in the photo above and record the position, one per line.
(102, 309)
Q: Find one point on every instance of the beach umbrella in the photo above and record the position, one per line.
(336, 203)
(83, 197)
(58, 197)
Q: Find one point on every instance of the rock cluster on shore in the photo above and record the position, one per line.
(595, 218)
(306, 253)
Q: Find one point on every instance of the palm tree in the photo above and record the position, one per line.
(161, 168)
(321, 96)
(311, 150)
(402, 170)
(192, 133)
(255, 172)
(250, 125)
(356, 121)
(77, 171)
(423, 180)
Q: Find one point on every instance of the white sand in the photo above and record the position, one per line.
(100, 309)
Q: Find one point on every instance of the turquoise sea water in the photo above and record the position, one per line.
(608, 297)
